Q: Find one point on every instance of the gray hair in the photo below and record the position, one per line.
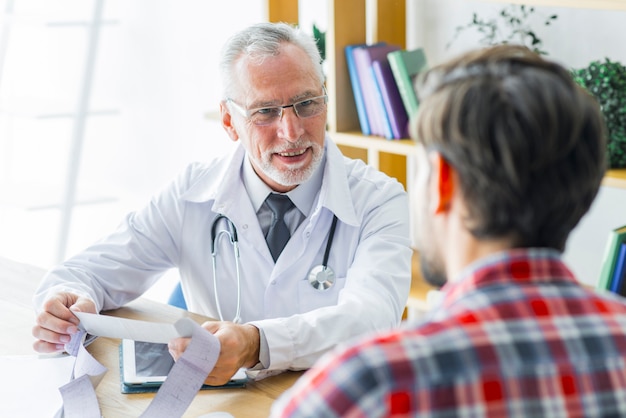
(260, 41)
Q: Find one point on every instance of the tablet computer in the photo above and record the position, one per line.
(147, 365)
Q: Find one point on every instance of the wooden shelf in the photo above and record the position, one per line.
(615, 178)
(582, 4)
(390, 156)
(404, 147)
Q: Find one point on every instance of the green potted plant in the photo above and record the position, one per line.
(320, 37)
(606, 80)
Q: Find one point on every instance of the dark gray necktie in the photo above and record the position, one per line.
(278, 234)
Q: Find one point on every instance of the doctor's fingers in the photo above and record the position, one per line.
(177, 346)
(62, 304)
(52, 333)
(239, 344)
(220, 375)
(56, 324)
(56, 316)
(221, 372)
(45, 346)
(83, 305)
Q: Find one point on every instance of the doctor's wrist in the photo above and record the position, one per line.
(253, 340)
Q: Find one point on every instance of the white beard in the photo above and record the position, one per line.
(294, 176)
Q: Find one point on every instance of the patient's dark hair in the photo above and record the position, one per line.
(527, 142)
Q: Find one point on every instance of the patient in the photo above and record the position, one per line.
(511, 153)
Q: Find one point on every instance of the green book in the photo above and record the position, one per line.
(405, 65)
(611, 252)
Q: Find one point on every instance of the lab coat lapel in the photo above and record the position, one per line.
(335, 193)
(222, 184)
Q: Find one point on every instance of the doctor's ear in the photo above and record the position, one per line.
(227, 121)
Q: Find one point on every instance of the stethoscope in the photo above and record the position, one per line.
(321, 277)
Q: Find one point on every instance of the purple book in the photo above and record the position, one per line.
(374, 107)
(394, 107)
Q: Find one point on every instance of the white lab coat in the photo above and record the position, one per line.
(370, 255)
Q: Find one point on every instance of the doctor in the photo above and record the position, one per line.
(278, 310)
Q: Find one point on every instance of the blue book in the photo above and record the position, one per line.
(618, 275)
(356, 89)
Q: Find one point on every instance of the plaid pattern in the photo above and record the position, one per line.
(516, 337)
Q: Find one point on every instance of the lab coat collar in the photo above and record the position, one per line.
(336, 194)
(219, 181)
(218, 184)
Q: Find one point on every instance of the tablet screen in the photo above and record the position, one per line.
(145, 363)
(152, 359)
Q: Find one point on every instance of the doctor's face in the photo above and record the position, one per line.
(286, 151)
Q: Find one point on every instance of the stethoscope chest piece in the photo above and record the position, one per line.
(321, 277)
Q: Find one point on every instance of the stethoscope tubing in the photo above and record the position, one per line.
(331, 235)
(231, 233)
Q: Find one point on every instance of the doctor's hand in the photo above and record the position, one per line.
(239, 348)
(56, 323)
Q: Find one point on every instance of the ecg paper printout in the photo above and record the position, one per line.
(132, 329)
(183, 381)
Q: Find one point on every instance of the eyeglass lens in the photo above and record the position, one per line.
(304, 109)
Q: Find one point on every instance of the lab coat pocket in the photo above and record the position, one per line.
(311, 298)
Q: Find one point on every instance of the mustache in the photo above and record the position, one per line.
(292, 146)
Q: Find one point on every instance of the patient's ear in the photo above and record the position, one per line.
(443, 183)
(227, 121)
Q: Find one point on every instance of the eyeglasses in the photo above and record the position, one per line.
(264, 116)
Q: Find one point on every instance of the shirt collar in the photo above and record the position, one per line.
(521, 265)
(303, 196)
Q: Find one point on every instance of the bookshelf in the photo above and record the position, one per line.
(615, 178)
(348, 23)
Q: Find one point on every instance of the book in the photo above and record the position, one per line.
(356, 89)
(394, 108)
(617, 281)
(405, 65)
(616, 237)
(374, 107)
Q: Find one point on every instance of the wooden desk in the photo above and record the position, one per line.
(19, 282)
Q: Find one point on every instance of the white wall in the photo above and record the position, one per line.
(156, 67)
(576, 38)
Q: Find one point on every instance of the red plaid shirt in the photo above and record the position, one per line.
(516, 336)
